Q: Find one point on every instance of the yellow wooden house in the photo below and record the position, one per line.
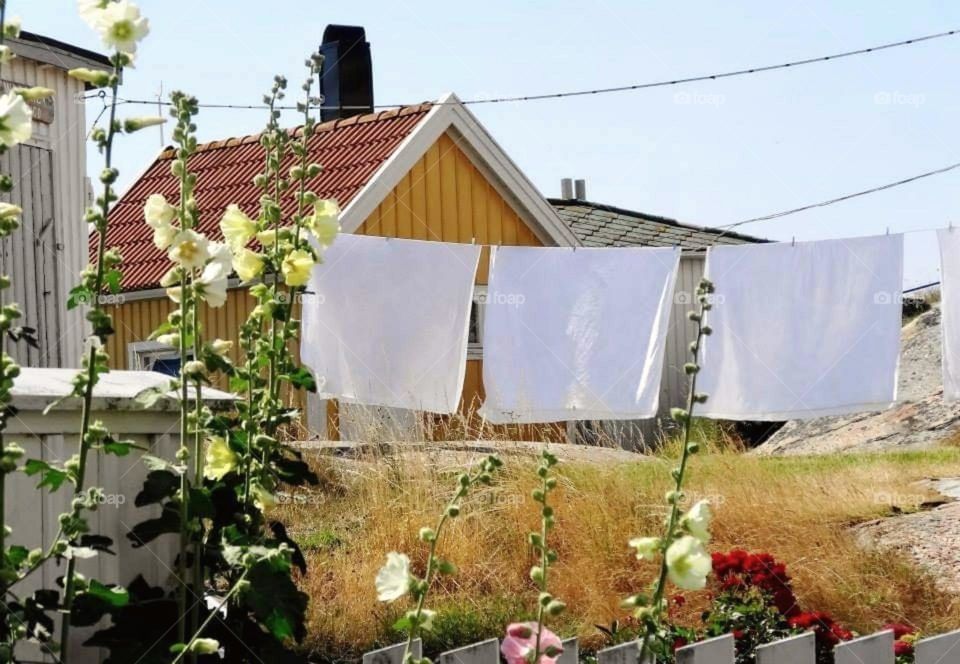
(427, 172)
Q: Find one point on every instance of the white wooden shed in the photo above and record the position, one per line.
(52, 437)
(45, 256)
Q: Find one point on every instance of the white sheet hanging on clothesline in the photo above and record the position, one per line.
(575, 335)
(950, 310)
(803, 331)
(385, 322)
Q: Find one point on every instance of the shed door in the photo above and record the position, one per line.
(32, 255)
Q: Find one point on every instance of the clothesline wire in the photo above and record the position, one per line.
(598, 91)
(839, 199)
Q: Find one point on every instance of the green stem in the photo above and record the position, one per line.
(92, 375)
(672, 522)
(209, 619)
(544, 565)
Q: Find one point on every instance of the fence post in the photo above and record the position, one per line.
(571, 652)
(873, 649)
(393, 654)
(942, 649)
(800, 649)
(718, 650)
(484, 652)
(625, 653)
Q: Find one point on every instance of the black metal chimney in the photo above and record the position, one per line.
(346, 77)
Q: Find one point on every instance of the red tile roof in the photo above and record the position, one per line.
(349, 150)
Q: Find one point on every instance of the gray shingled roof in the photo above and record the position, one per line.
(598, 225)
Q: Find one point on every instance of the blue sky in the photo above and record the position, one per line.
(706, 153)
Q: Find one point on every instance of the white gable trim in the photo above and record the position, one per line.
(486, 155)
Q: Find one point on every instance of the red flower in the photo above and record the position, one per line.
(899, 630)
(902, 648)
(679, 600)
(679, 642)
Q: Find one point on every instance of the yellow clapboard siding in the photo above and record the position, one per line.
(443, 197)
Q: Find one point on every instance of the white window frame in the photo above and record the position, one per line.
(475, 349)
(140, 352)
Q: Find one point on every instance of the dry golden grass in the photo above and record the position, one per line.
(798, 509)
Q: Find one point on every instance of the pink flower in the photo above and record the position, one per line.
(521, 641)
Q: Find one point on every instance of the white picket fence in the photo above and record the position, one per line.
(800, 649)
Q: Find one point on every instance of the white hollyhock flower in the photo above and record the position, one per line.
(220, 253)
(688, 563)
(12, 26)
(91, 11)
(697, 521)
(120, 25)
(163, 236)
(189, 248)
(16, 120)
(647, 547)
(6, 54)
(325, 222)
(212, 285)
(159, 215)
(393, 580)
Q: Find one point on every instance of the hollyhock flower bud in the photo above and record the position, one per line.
(131, 125)
(427, 535)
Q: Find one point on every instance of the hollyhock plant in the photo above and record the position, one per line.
(684, 561)
(533, 642)
(395, 579)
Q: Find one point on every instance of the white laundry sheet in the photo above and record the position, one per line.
(576, 335)
(385, 322)
(950, 310)
(802, 330)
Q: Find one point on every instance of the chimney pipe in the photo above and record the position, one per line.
(346, 76)
(566, 189)
(580, 189)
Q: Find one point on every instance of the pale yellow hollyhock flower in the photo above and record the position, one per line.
(647, 547)
(325, 222)
(697, 521)
(262, 499)
(247, 264)
(688, 563)
(120, 25)
(296, 267)
(175, 293)
(237, 227)
(220, 459)
(189, 248)
(6, 54)
(393, 580)
(268, 237)
(16, 120)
